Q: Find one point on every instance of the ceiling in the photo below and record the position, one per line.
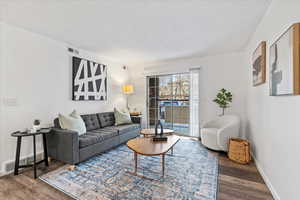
(133, 31)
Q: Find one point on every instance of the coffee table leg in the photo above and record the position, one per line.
(135, 162)
(163, 164)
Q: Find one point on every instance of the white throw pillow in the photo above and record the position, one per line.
(73, 122)
(75, 115)
(122, 117)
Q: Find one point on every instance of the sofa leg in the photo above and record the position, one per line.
(71, 167)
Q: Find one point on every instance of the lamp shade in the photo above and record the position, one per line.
(127, 89)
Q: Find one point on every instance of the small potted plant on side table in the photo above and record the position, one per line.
(36, 125)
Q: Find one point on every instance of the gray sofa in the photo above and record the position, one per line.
(101, 135)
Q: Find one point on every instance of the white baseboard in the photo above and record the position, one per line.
(30, 156)
(266, 179)
(5, 173)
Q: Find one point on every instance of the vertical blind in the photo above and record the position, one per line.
(194, 102)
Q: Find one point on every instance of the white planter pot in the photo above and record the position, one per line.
(36, 128)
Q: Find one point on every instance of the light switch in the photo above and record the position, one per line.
(11, 102)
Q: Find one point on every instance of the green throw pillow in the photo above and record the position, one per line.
(72, 122)
(122, 117)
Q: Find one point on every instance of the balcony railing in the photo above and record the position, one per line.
(175, 116)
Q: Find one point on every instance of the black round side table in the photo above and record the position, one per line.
(19, 136)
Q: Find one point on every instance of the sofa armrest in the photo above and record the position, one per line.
(210, 124)
(225, 133)
(63, 145)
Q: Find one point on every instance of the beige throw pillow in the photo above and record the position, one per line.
(73, 122)
(122, 117)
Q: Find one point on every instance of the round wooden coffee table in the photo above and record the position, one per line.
(148, 132)
(145, 146)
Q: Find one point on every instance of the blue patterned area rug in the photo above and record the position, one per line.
(191, 173)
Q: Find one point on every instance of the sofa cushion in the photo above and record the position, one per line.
(106, 119)
(105, 134)
(96, 136)
(91, 122)
(121, 129)
(127, 128)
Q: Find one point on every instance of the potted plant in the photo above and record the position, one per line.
(223, 99)
(36, 125)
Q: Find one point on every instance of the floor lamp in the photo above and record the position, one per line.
(127, 90)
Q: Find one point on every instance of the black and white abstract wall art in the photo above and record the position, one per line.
(259, 64)
(285, 63)
(89, 80)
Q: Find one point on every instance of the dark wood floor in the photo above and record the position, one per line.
(240, 181)
(236, 182)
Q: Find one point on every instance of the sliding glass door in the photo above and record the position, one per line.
(168, 99)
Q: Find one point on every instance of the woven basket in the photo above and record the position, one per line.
(239, 151)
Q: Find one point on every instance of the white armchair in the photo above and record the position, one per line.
(215, 134)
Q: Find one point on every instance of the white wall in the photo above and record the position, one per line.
(222, 71)
(36, 75)
(1, 89)
(273, 122)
